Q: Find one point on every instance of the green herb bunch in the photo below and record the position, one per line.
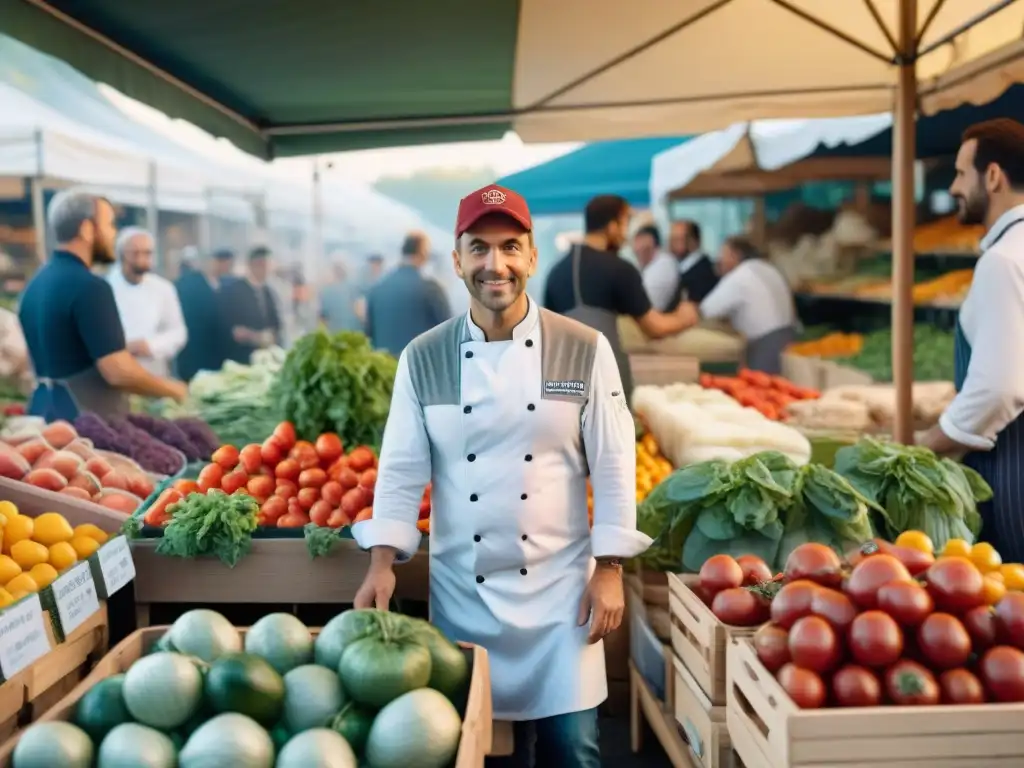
(211, 524)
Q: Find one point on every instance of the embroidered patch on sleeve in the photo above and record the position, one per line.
(571, 388)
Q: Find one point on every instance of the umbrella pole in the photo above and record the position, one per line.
(903, 154)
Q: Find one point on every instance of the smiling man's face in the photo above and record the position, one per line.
(495, 258)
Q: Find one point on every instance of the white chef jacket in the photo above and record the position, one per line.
(754, 297)
(151, 311)
(661, 280)
(992, 321)
(506, 431)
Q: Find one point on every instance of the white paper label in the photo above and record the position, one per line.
(116, 564)
(75, 593)
(23, 637)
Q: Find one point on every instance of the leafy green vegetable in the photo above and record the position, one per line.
(320, 541)
(336, 383)
(211, 524)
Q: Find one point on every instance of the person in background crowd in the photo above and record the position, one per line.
(147, 303)
(659, 270)
(209, 336)
(368, 278)
(14, 362)
(71, 324)
(403, 304)
(251, 309)
(338, 301)
(515, 566)
(697, 274)
(984, 419)
(594, 285)
(754, 297)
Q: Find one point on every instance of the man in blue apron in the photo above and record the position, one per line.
(71, 323)
(984, 420)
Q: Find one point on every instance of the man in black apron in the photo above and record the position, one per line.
(594, 285)
(71, 323)
(984, 420)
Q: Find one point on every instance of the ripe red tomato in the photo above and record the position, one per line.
(329, 448)
(739, 607)
(793, 602)
(755, 570)
(916, 561)
(292, 520)
(287, 469)
(284, 433)
(834, 607)
(368, 479)
(304, 452)
(308, 497)
(876, 640)
(804, 687)
(210, 477)
(260, 486)
(870, 575)
(982, 626)
(226, 456)
(813, 644)
(944, 641)
(720, 572)
(909, 684)
(273, 508)
(251, 458)
(361, 458)
(271, 452)
(956, 585)
(1010, 619)
(320, 512)
(771, 643)
(1002, 669)
(286, 489)
(906, 601)
(814, 562)
(332, 492)
(234, 481)
(855, 686)
(312, 478)
(347, 478)
(958, 686)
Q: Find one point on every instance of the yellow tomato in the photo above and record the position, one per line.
(92, 531)
(18, 528)
(62, 555)
(1013, 576)
(984, 556)
(5, 598)
(84, 546)
(915, 540)
(28, 553)
(8, 509)
(22, 583)
(8, 569)
(994, 590)
(956, 548)
(51, 528)
(43, 574)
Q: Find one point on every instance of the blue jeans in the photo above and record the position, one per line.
(562, 741)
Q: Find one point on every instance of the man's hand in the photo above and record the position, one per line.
(377, 588)
(179, 391)
(603, 603)
(139, 348)
(690, 313)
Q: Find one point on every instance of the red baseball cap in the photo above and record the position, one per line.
(488, 200)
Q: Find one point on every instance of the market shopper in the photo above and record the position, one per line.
(697, 273)
(594, 285)
(984, 419)
(209, 336)
(505, 410)
(659, 270)
(71, 323)
(147, 303)
(251, 309)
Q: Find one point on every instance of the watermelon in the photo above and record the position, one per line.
(131, 745)
(163, 690)
(316, 748)
(53, 743)
(353, 722)
(247, 684)
(229, 739)
(449, 668)
(282, 640)
(343, 629)
(204, 633)
(312, 695)
(102, 708)
(419, 729)
(377, 670)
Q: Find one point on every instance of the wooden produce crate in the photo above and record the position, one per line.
(654, 585)
(702, 722)
(32, 501)
(28, 694)
(660, 370)
(699, 639)
(645, 706)
(768, 730)
(476, 726)
(274, 571)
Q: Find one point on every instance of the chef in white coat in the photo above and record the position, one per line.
(506, 410)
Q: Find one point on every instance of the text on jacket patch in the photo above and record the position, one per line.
(573, 387)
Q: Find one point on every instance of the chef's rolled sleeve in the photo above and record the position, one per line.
(402, 474)
(992, 395)
(609, 437)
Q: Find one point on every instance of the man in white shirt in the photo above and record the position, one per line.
(984, 419)
(659, 270)
(505, 410)
(148, 304)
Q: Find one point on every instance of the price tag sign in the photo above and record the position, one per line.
(75, 595)
(23, 637)
(116, 565)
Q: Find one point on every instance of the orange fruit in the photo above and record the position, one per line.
(5, 598)
(62, 555)
(984, 556)
(84, 546)
(92, 532)
(18, 528)
(51, 528)
(994, 590)
(915, 540)
(43, 574)
(956, 548)
(28, 553)
(22, 583)
(8, 509)
(1013, 576)
(8, 569)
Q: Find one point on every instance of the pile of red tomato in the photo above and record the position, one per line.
(724, 585)
(898, 627)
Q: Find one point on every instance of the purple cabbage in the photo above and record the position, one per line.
(93, 427)
(151, 454)
(169, 433)
(201, 435)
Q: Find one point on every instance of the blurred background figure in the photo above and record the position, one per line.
(338, 299)
(209, 335)
(367, 277)
(659, 270)
(251, 308)
(696, 272)
(147, 303)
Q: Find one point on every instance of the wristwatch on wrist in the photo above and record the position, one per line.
(610, 562)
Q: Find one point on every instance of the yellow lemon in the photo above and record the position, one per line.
(8, 569)
(51, 528)
(62, 555)
(28, 553)
(91, 531)
(43, 574)
(18, 528)
(22, 583)
(5, 598)
(84, 546)
(985, 557)
(8, 509)
(956, 548)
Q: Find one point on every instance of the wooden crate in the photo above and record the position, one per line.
(769, 731)
(661, 370)
(646, 707)
(699, 638)
(703, 723)
(474, 746)
(32, 501)
(274, 571)
(27, 696)
(653, 585)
